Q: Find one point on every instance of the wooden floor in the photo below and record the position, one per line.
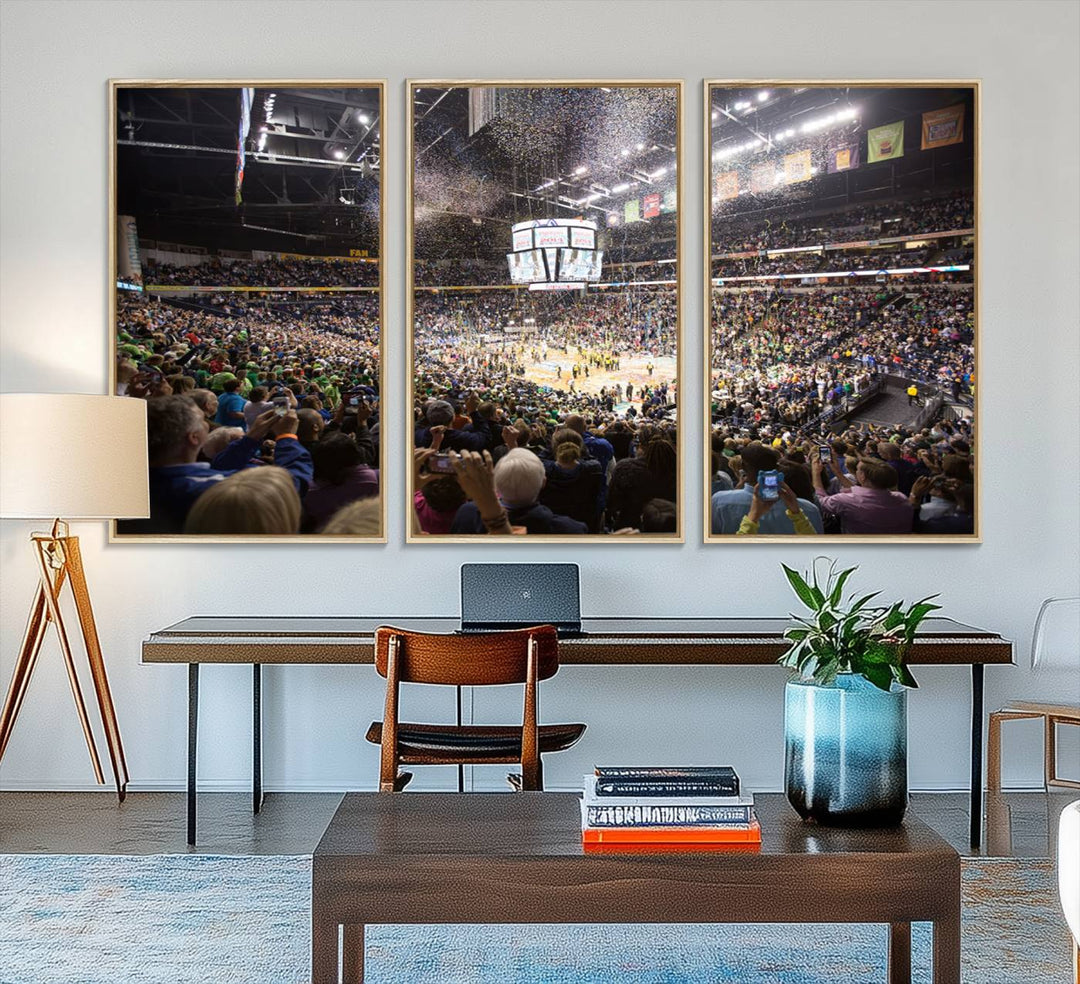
(1022, 824)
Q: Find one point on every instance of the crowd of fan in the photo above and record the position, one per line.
(494, 272)
(259, 422)
(786, 362)
(277, 272)
(734, 233)
(564, 462)
(637, 322)
(864, 481)
(842, 261)
(783, 358)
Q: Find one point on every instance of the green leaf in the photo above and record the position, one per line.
(880, 676)
(893, 618)
(862, 601)
(903, 675)
(800, 587)
(837, 592)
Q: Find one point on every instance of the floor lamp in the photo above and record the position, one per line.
(78, 457)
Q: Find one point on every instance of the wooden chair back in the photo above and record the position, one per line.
(475, 660)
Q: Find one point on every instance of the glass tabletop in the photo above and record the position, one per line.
(349, 626)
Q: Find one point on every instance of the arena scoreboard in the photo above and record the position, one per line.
(554, 254)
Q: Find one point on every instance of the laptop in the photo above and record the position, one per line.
(496, 597)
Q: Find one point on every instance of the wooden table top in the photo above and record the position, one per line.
(604, 640)
(410, 826)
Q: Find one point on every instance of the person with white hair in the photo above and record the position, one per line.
(519, 477)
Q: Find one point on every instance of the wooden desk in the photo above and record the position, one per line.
(518, 858)
(605, 641)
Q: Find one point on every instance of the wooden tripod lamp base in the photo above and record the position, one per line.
(59, 561)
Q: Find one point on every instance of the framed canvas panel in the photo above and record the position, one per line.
(247, 303)
(841, 293)
(543, 311)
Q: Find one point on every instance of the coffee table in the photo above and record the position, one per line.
(517, 858)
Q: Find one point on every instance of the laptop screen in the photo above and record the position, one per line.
(519, 595)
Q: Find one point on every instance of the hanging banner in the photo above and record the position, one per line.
(797, 167)
(632, 211)
(670, 201)
(652, 205)
(842, 157)
(128, 264)
(941, 127)
(762, 178)
(727, 185)
(247, 97)
(883, 143)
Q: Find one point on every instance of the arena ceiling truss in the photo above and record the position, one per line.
(313, 159)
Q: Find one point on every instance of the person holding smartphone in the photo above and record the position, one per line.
(762, 506)
(731, 507)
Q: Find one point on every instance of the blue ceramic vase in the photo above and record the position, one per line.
(846, 752)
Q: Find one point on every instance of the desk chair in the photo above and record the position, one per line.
(1055, 644)
(484, 659)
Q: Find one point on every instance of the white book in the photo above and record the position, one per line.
(591, 799)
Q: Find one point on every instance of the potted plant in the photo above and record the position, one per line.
(845, 715)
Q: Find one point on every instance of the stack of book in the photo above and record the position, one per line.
(677, 806)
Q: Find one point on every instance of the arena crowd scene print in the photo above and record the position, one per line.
(842, 310)
(247, 235)
(545, 309)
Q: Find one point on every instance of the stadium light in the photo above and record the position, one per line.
(339, 154)
(659, 172)
(741, 105)
(641, 146)
(625, 152)
(620, 188)
(581, 170)
(763, 96)
(363, 118)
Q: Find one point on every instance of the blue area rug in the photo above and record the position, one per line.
(246, 920)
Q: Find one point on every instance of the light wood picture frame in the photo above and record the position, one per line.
(841, 230)
(257, 211)
(489, 164)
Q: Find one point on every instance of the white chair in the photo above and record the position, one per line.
(1055, 645)
(1069, 875)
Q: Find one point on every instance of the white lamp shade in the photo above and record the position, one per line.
(73, 456)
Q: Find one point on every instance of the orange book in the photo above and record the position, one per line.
(748, 834)
(703, 847)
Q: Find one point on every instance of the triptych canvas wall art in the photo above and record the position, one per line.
(544, 337)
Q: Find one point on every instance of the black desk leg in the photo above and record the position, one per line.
(461, 767)
(193, 744)
(976, 752)
(256, 738)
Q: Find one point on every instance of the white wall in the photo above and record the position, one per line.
(56, 58)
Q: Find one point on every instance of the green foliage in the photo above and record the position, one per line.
(859, 638)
